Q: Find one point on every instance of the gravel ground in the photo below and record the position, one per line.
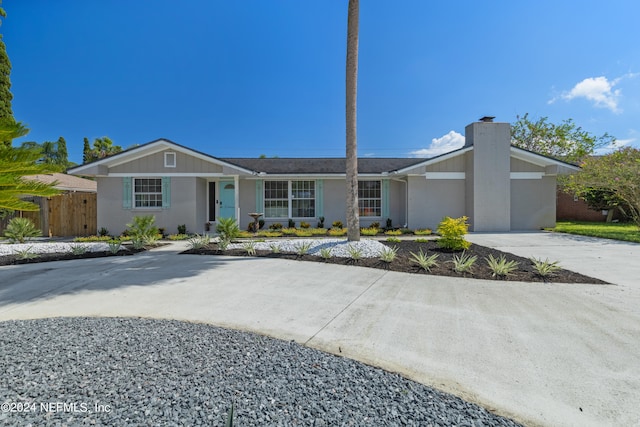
(368, 248)
(162, 372)
(51, 247)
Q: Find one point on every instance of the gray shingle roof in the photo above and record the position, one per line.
(321, 165)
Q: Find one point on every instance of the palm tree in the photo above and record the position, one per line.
(15, 163)
(353, 220)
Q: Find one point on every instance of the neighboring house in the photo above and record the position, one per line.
(499, 187)
(71, 213)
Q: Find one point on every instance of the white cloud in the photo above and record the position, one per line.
(599, 90)
(618, 143)
(446, 143)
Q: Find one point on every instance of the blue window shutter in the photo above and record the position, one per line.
(126, 192)
(259, 195)
(385, 198)
(166, 192)
(319, 198)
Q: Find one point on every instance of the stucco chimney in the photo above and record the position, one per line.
(488, 176)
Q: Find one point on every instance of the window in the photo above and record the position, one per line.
(147, 192)
(276, 199)
(169, 160)
(369, 198)
(303, 195)
(289, 199)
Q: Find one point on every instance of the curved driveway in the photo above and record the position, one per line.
(544, 354)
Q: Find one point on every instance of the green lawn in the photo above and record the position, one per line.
(628, 232)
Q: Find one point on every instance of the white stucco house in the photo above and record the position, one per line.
(498, 186)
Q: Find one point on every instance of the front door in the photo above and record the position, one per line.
(227, 199)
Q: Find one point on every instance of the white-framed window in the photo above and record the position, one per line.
(169, 160)
(289, 199)
(370, 198)
(147, 192)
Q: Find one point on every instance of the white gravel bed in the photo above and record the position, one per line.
(339, 247)
(51, 247)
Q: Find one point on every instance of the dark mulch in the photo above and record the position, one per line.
(402, 263)
(15, 259)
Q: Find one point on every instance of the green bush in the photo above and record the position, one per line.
(21, 229)
(423, 261)
(92, 239)
(369, 231)
(228, 229)
(143, 230)
(103, 232)
(393, 232)
(275, 226)
(500, 267)
(464, 262)
(304, 225)
(178, 236)
(337, 224)
(182, 229)
(452, 231)
(422, 232)
(337, 231)
(292, 223)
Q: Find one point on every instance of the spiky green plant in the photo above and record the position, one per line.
(21, 229)
(423, 261)
(249, 247)
(26, 253)
(388, 254)
(325, 253)
(275, 248)
(355, 252)
(545, 268)
(114, 246)
(500, 267)
(143, 228)
(198, 241)
(464, 262)
(78, 249)
(228, 229)
(303, 248)
(393, 239)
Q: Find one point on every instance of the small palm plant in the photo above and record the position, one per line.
(388, 254)
(464, 262)
(303, 248)
(545, 268)
(325, 253)
(355, 253)
(249, 247)
(423, 261)
(21, 229)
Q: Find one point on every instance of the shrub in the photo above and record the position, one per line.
(228, 229)
(304, 225)
(464, 262)
(389, 224)
(423, 261)
(289, 231)
(292, 223)
(275, 248)
(369, 231)
(355, 253)
(303, 248)
(249, 247)
(269, 234)
(423, 232)
(388, 254)
(452, 231)
(325, 253)
(393, 239)
(419, 240)
(406, 231)
(501, 267)
(337, 232)
(303, 233)
(223, 244)
(393, 232)
(245, 234)
(78, 249)
(275, 226)
(182, 229)
(21, 229)
(143, 228)
(545, 268)
(374, 224)
(92, 239)
(27, 253)
(199, 242)
(321, 222)
(114, 246)
(103, 232)
(318, 231)
(337, 224)
(260, 224)
(178, 236)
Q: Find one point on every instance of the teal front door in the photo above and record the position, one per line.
(227, 199)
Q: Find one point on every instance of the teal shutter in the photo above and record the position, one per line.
(166, 192)
(126, 192)
(259, 196)
(319, 198)
(385, 198)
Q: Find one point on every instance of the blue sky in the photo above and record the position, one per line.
(251, 77)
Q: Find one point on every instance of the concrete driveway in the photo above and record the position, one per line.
(544, 354)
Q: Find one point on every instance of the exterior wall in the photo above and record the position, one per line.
(533, 203)
(570, 209)
(431, 200)
(397, 205)
(247, 204)
(154, 163)
(518, 165)
(335, 200)
(455, 164)
(200, 205)
(182, 211)
(491, 175)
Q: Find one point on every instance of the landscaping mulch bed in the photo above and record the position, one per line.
(403, 263)
(46, 257)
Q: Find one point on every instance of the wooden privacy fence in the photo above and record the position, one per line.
(68, 214)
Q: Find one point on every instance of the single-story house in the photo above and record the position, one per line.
(498, 186)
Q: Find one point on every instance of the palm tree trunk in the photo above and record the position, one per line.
(353, 220)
